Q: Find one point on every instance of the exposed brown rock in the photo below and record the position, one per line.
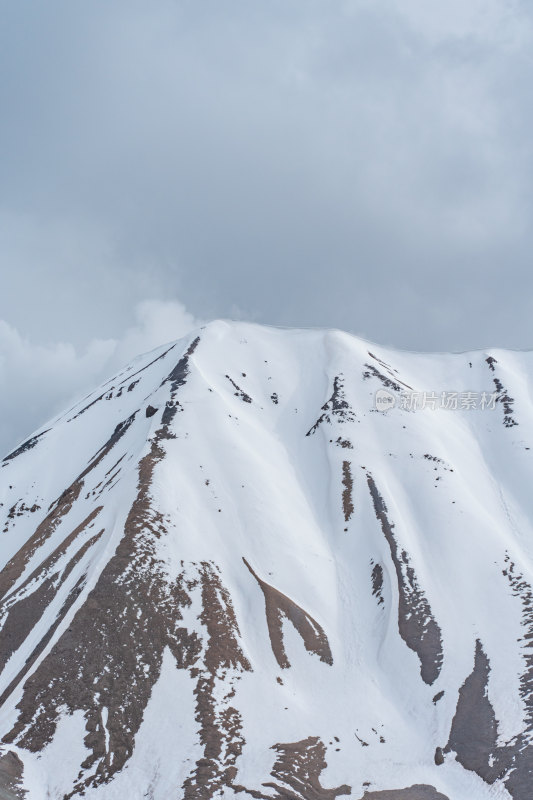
(59, 509)
(19, 509)
(419, 791)
(474, 732)
(111, 654)
(297, 772)
(520, 778)
(220, 728)
(474, 736)
(20, 611)
(416, 623)
(278, 605)
(11, 770)
(36, 652)
(347, 482)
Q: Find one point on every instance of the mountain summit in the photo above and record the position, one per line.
(279, 564)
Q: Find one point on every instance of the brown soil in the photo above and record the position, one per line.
(59, 509)
(474, 732)
(277, 606)
(416, 623)
(11, 769)
(297, 772)
(417, 792)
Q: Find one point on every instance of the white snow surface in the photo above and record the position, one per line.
(242, 479)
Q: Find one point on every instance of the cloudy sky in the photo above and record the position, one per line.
(364, 164)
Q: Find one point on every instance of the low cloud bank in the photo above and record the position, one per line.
(38, 381)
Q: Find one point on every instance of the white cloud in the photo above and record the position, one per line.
(38, 381)
(157, 322)
(349, 164)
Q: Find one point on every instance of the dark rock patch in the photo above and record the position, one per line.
(11, 770)
(88, 406)
(336, 408)
(111, 654)
(345, 443)
(418, 792)
(19, 509)
(134, 374)
(239, 392)
(438, 461)
(20, 611)
(418, 628)
(57, 511)
(503, 397)
(391, 370)
(507, 402)
(347, 493)
(389, 383)
(220, 729)
(297, 772)
(29, 444)
(377, 583)
(520, 779)
(278, 605)
(474, 731)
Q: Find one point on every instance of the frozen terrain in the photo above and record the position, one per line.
(228, 573)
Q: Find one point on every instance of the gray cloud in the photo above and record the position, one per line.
(42, 380)
(350, 164)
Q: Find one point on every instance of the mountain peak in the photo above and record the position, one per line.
(273, 563)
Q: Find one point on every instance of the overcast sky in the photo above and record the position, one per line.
(365, 165)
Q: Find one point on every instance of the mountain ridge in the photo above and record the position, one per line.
(231, 542)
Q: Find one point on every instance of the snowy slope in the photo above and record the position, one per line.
(227, 573)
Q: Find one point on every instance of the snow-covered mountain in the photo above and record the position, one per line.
(263, 563)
